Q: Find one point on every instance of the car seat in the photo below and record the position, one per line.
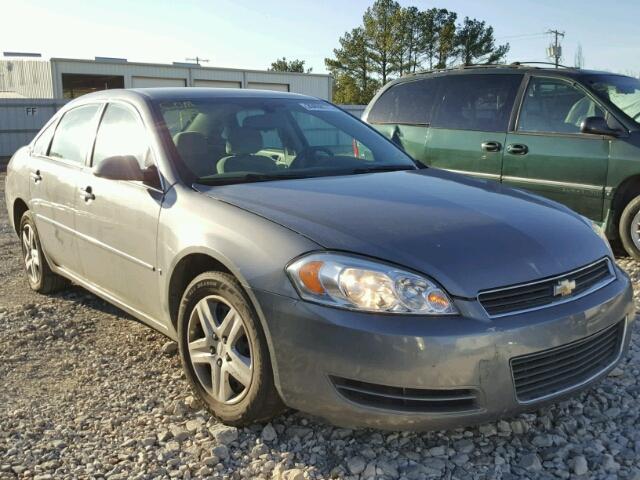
(242, 145)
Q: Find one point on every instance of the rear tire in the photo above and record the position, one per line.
(629, 228)
(39, 274)
(224, 351)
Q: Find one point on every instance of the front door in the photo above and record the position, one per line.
(57, 160)
(470, 122)
(117, 220)
(548, 155)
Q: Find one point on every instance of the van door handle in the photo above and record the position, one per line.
(517, 149)
(35, 176)
(87, 194)
(491, 146)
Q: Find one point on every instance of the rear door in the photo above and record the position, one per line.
(403, 114)
(58, 157)
(548, 155)
(117, 220)
(470, 122)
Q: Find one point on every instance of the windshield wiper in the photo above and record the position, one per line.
(383, 168)
(248, 178)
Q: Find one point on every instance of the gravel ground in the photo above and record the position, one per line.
(87, 392)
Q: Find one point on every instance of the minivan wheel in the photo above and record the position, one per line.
(224, 351)
(39, 274)
(629, 228)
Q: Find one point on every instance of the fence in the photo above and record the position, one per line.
(22, 118)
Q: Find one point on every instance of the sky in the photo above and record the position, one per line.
(253, 33)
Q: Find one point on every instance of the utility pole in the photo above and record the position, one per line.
(555, 50)
(197, 60)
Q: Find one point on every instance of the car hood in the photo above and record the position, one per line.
(467, 234)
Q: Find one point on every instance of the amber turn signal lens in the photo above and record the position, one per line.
(438, 299)
(309, 275)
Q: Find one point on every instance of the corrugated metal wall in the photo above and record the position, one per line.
(21, 119)
(25, 78)
(355, 110)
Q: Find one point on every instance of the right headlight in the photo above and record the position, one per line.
(355, 283)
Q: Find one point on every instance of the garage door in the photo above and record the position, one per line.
(278, 87)
(216, 84)
(142, 82)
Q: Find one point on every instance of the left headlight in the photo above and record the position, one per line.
(359, 284)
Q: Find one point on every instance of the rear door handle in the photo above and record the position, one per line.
(87, 194)
(35, 176)
(518, 149)
(491, 146)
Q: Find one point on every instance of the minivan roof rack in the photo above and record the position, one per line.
(490, 65)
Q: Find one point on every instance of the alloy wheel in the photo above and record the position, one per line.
(220, 350)
(634, 230)
(31, 254)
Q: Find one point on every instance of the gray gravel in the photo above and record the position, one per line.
(87, 392)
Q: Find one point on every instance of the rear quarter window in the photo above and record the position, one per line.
(409, 103)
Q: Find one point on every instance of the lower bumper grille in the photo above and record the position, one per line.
(407, 399)
(553, 371)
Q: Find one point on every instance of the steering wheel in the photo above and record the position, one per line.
(307, 157)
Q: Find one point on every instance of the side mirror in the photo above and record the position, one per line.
(597, 126)
(125, 167)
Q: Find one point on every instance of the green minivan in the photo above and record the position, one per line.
(568, 134)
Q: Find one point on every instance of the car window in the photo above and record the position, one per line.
(41, 145)
(622, 91)
(121, 133)
(555, 106)
(315, 139)
(74, 134)
(476, 102)
(408, 103)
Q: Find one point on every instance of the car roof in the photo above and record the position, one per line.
(184, 93)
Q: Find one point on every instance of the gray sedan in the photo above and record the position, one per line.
(301, 259)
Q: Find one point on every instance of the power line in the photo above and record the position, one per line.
(524, 35)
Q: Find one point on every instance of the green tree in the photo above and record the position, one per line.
(284, 65)
(352, 69)
(475, 43)
(432, 24)
(446, 40)
(407, 56)
(380, 28)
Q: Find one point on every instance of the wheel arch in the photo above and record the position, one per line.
(19, 207)
(626, 191)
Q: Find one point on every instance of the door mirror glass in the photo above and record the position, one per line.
(597, 126)
(120, 167)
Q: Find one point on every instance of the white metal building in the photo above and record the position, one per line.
(69, 78)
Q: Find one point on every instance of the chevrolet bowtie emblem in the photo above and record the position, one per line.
(564, 288)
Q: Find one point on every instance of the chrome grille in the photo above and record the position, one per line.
(552, 371)
(407, 399)
(521, 298)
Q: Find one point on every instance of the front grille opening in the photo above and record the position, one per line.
(552, 371)
(407, 399)
(514, 299)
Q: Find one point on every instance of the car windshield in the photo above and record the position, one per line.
(623, 92)
(231, 140)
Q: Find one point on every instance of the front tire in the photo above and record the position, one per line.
(39, 274)
(224, 351)
(629, 228)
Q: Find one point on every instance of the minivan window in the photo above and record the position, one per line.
(120, 133)
(74, 134)
(554, 106)
(41, 145)
(622, 91)
(476, 102)
(407, 103)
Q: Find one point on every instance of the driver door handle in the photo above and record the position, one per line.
(491, 146)
(35, 176)
(87, 194)
(518, 149)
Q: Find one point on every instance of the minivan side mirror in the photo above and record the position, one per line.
(597, 126)
(120, 167)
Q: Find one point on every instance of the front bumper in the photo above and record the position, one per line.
(313, 344)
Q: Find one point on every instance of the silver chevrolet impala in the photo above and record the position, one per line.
(301, 259)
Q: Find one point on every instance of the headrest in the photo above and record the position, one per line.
(242, 141)
(190, 143)
(266, 121)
